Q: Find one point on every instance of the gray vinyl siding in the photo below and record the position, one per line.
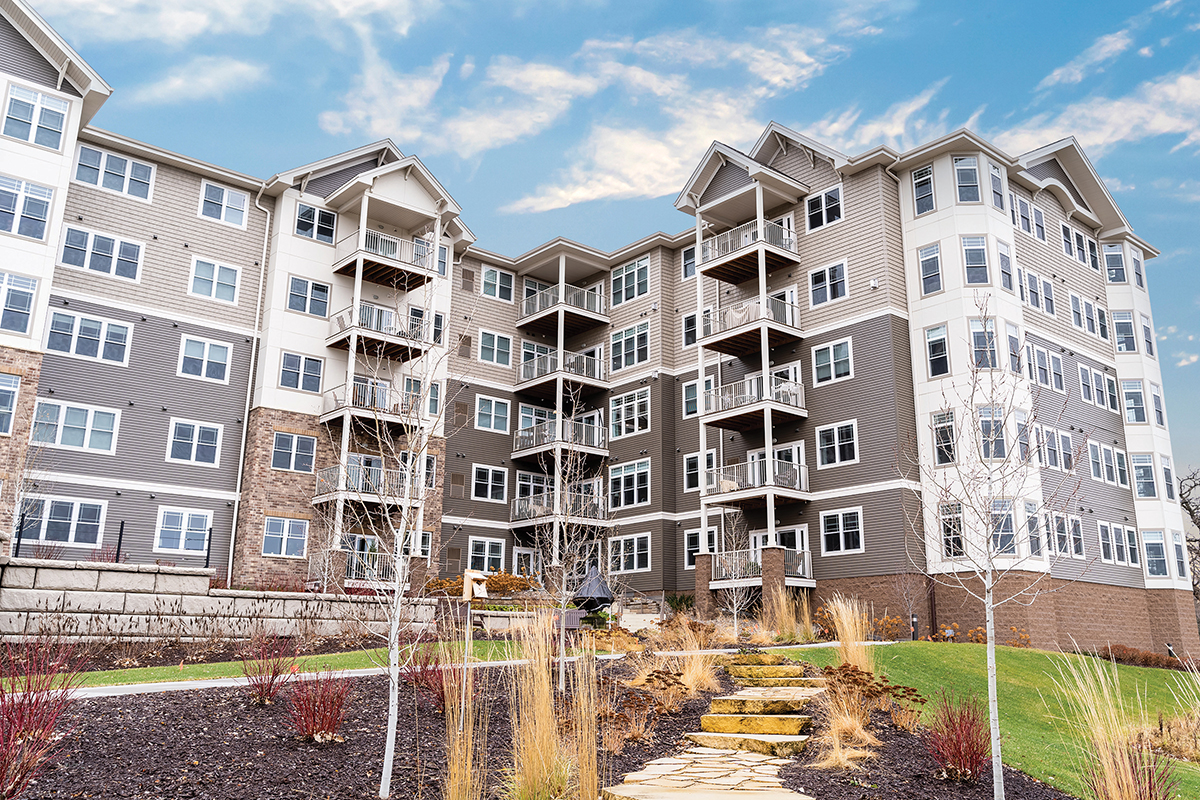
(481, 447)
(21, 59)
(1050, 168)
(140, 392)
(890, 545)
(325, 185)
(728, 178)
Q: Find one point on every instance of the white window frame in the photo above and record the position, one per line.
(701, 318)
(1147, 326)
(292, 452)
(945, 339)
(822, 198)
(216, 464)
(845, 265)
(105, 324)
(88, 426)
(495, 273)
(619, 337)
(77, 502)
(617, 407)
(208, 344)
(41, 102)
(622, 542)
(620, 273)
(1156, 537)
(838, 461)
(708, 387)
(285, 535)
(996, 185)
(497, 337)
(187, 513)
(833, 378)
(491, 475)
(217, 267)
(10, 392)
(304, 359)
(27, 192)
(308, 296)
(1148, 458)
(1128, 391)
(487, 542)
(917, 212)
(128, 175)
(89, 252)
(1159, 406)
(695, 532)
(980, 244)
(492, 413)
(959, 185)
(632, 468)
(226, 194)
(840, 514)
(683, 263)
(925, 255)
(701, 469)
(316, 224)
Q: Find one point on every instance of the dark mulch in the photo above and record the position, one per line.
(213, 744)
(902, 770)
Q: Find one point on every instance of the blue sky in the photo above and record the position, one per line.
(583, 118)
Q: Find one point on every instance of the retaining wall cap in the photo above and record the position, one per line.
(42, 562)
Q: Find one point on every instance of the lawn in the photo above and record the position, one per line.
(355, 659)
(1032, 742)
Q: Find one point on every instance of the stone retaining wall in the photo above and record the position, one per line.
(102, 600)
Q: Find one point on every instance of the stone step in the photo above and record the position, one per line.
(756, 659)
(637, 791)
(736, 704)
(812, 682)
(777, 724)
(766, 670)
(766, 743)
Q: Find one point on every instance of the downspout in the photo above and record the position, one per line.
(262, 279)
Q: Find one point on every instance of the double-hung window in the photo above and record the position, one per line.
(1025, 215)
(923, 189)
(114, 173)
(1014, 347)
(824, 208)
(691, 470)
(222, 204)
(315, 223)
(631, 346)
(629, 553)
(24, 208)
(841, 531)
(950, 515)
(300, 372)
(937, 351)
(1156, 554)
(1033, 529)
(182, 530)
(486, 555)
(837, 444)
(1147, 335)
(1156, 397)
(690, 326)
(85, 337)
(693, 397)
(1168, 477)
(1123, 330)
(1114, 262)
(495, 348)
(944, 438)
(1006, 272)
(213, 280)
(99, 253)
(691, 546)
(689, 262)
(827, 284)
(630, 413)
(9, 385)
(293, 452)
(489, 484)
(966, 178)
(308, 297)
(491, 414)
(201, 358)
(975, 259)
(931, 269)
(1180, 554)
(991, 432)
(285, 537)
(194, 443)
(1004, 538)
(35, 117)
(1135, 401)
(629, 484)
(832, 362)
(1143, 475)
(75, 427)
(630, 280)
(497, 284)
(62, 520)
(997, 180)
(1136, 258)
(983, 342)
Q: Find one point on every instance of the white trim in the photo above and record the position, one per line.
(140, 308)
(824, 209)
(490, 468)
(845, 265)
(107, 482)
(92, 233)
(77, 501)
(612, 417)
(511, 354)
(701, 469)
(204, 184)
(217, 266)
(834, 426)
(106, 322)
(862, 541)
(830, 345)
(716, 543)
(487, 540)
(162, 510)
(62, 404)
(635, 464)
(287, 296)
(708, 385)
(483, 270)
(99, 184)
(292, 469)
(507, 413)
(634, 537)
(284, 538)
(196, 442)
(299, 387)
(183, 339)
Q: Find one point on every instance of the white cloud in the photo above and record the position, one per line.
(1118, 185)
(1104, 49)
(1186, 359)
(202, 78)
(1146, 52)
(467, 68)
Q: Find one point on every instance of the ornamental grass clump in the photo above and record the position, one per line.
(852, 624)
(957, 738)
(466, 732)
(317, 706)
(541, 770)
(850, 695)
(788, 615)
(268, 663)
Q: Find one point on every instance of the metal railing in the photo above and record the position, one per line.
(371, 397)
(382, 320)
(574, 296)
(746, 311)
(797, 564)
(731, 241)
(736, 564)
(370, 565)
(406, 251)
(575, 504)
(749, 391)
(588, 367)
(573, 432)
(753, 475)
(394, 484)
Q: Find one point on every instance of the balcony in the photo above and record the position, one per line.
(732, 256)
(583, 310)
(541, 439)
(373, 401)
(369, 485)
(402, 264)
(579, 508)
(741, 406)
(369, 568)
(735, 330)
(578, 371)
(744, 568)
(382, 333)
(747, 485)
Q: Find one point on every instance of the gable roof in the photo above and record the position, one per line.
(717, 156)
(774, 134)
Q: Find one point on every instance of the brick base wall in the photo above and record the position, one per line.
(706, 603)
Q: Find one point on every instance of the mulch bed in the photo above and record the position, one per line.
(165, 654)
(902, 769)
(213, 744)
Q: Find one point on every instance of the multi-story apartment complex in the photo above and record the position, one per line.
(271, 376)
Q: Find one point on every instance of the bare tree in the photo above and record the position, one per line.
(1189, 498)
(912, 588)
(740, 564)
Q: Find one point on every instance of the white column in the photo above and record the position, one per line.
(703, 466)
(560, 348)
(765, 354)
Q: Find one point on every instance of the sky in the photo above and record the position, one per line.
(583, 119)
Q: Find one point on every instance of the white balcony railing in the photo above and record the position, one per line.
(574, 296)
(742, 236)
(750, 391)
(578, 364)
(742, 564)
(394, 484)
(741, 313)
(370, 565)
(797, 564)
(753, 475)
(378, 319)
(373, 398)
(575, 504)
(405, 251)
(570, 432)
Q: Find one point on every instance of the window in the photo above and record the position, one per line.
(182, 530)
(831, 362)
(114, 173)
(691, 396)
(35, 117)
(689, 326)
(1093, 255)
(225, 205)
(486, 555)
(194, 442)
(93, 339)
(62, 520)
(285, 537)
(629, 553)
(1147, 335)
(300, 372)
(1135, 403)
(1089, 316)
(315, 223)
(1122, 471)
(997, 186)
(966, 179)
(491, 414)
(1131, 539)
(943, 438)
(1156, 554)
(1085, 383)
(75, 427)
(1062, 543)
(841, 531)
(1033, 529)
(1143, 476)
(98, 253)
(937, 351)
(1118, 539)
(837, 444)
(24, 208)
(1123, 330)
(293, 452)
(952, 530)
(214, 280)
(1159, 409)
(631, 346)
(1136, 258)
(9, 384)
(490, 484)
(204, 359)
(308, 297)
(495, 348)
(1004, 538)
(991, 431)
(1014, 347)
(1110, 384)
(1180, 554)
(1068, 248)
(983, 343)
(691, 470)
(1076, 537)
(629, 484)
(1024, 215)
(630, 280)
(1035, 295)
(1076, 311)
(827, 284)
(1168, 478)
(923, 189)
(824, 208)
(975, 259)
(1114, 262)
(931, 269)
(498, 284)
(1039, 224)
(691, 546)
(1006, 276)
(689, 262)
(630, 413)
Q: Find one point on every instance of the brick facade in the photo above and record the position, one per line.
(15, 454)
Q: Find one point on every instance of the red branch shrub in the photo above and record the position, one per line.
(1131, 656)
(317, 705)
(268, 662)
(38, 678)
(427, 673)
(957, 738)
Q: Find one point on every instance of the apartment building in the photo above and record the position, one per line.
(274, 377)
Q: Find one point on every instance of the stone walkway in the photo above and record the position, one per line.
(708, 768)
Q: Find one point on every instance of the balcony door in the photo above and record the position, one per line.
(783, 307)
(364, 473)
(534, 415)
(371, 393)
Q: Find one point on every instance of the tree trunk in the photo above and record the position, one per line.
(389, 749)
(562, 638)
(993, 703)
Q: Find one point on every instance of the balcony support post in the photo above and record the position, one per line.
(765, 354)
(700, 368)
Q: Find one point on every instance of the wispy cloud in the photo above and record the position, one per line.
(1103, 50)
(1186, 359)
(1118, 185)
(202, 78)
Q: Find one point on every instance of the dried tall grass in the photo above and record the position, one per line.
(540, 770)
(585, 713)
(697, 671)
(466, 734)
(852, 622)
(1179, 734)
(788, 615)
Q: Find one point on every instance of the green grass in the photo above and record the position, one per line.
(1032, 739)
(355, 659)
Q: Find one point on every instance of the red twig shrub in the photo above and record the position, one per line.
(37, 681)
(957, 738)
(268, 662)
(317, 706)
(427, 673)
(1131, 656)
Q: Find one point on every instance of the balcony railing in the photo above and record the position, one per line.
(588, 367)
(742, 564)
(732, 316)
(567, 431)
(797, 564)
(406, 251)
(372, 398)
(383, 320)
(371, 565)
(395, 484)
(582, 299)
(753, 475)
(750, 391)
(742, 236)
(575, 504)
